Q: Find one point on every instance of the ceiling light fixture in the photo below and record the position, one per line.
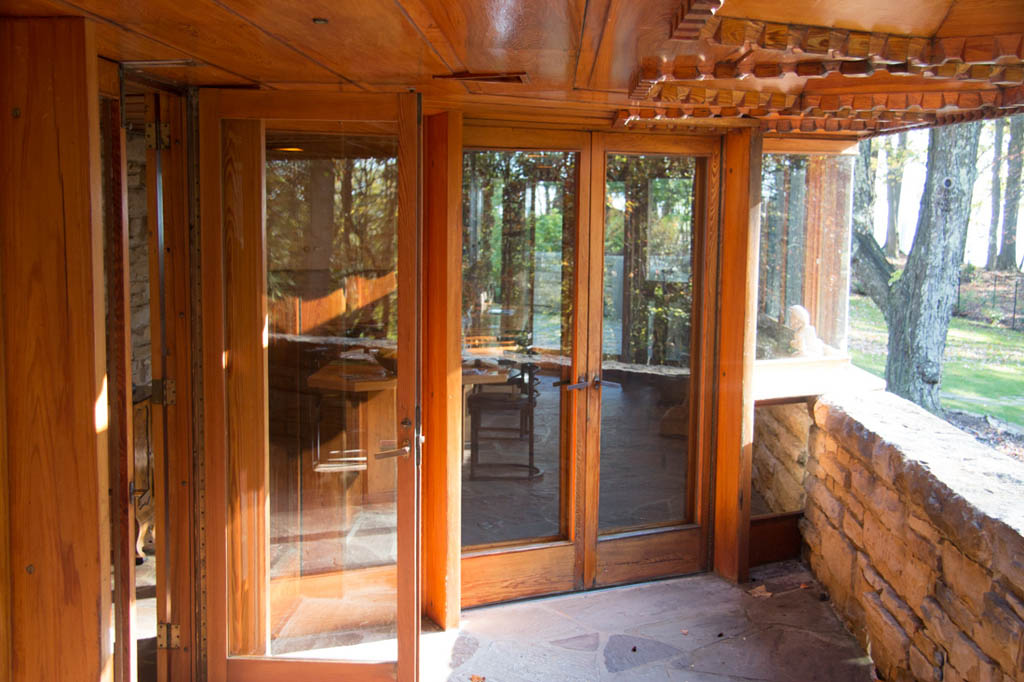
(288, 149)
(320, 20)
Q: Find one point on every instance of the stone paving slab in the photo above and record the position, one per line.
(698, 628)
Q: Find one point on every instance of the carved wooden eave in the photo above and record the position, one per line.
(807, 79)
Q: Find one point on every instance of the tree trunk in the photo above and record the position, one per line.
(1008, 250)
(922, 298)
(864, 187)
(997, 167)
(895, 160)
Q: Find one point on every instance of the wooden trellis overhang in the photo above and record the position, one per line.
(808, 79)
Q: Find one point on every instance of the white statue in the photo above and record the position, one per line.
(805, 337)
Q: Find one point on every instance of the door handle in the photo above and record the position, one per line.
(598, 381)
(397, 452)
(578, 386)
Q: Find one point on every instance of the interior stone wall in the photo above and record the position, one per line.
(138, 250)
(780, 457)
(915, 529)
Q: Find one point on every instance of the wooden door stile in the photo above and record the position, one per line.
(119, 390)
(214, 413)
(246, 386)
(442, 368)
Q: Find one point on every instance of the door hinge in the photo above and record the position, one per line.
(165, 392)
(153, 140)
(168, 636)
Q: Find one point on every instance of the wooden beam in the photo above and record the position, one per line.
(736, 345)
(421, 17)
(442, 369)
(53, 350)
(245, 362)
(119, 372)
(691, 17)
(6, 632)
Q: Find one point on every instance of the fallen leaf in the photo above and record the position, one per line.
(804, 586)
(760, 592)
(477, 678)
(685, 632)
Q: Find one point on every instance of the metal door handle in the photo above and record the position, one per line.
(397, 452)
(578, 386)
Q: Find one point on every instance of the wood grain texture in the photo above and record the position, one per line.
(53, 342)
(214, 413)
(442, 368)
(408, 395)
(493, 577)
(648, 555)
(246, 386)
(273, 670)
(775, 537)
(736, 334)
(6, 633)
(171, 336)
(119, 374)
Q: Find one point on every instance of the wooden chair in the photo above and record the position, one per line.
(521, 400)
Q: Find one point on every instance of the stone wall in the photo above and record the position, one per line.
(915, 529)
(780, 457)
(138, 266)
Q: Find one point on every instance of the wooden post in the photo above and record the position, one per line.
(741, 209)
(442, 369)
(53, 351)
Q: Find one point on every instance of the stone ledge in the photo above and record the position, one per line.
(915, 529)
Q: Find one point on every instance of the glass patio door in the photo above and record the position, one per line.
(647, 365)
(321, 492)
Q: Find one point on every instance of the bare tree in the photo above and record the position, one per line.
(864, 186)
(997, 167)
(918, 302)
(896, 157)
(1014, 161)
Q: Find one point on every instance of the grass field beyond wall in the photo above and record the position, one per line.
(983, 369)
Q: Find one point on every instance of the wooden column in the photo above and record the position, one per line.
(442, 368)
(741, 209)
(53, 351)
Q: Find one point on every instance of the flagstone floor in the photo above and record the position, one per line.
(700, 628)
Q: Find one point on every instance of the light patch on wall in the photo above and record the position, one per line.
(266, 331)
(100, 410)
(224, 359)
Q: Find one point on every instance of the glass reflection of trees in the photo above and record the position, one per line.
(332, 216)
(519, 216)
(648, 295)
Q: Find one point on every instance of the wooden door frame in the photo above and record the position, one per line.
(529, 569)
(644, 554)
(215, 107)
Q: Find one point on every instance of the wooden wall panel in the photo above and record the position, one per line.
(5, 517)
(245, 362)
(53, 342)
(737, 302)
(442, 369)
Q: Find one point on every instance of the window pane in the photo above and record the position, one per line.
(332, 203)
(519, 218)
(648, 305)
(805, 255)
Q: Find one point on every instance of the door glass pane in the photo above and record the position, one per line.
(519, 218)
(331, 230)
(648, 306)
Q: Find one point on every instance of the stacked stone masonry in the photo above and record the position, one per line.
(138, 265)
(915, 529)
(780, 457)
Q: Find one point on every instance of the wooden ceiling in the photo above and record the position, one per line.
(848, 67)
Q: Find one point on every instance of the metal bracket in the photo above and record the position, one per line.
(165, 392)
(168, 636)
(163, 141)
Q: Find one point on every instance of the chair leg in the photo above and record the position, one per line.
(474, 441)
(529, 419)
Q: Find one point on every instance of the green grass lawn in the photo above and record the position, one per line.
(983, 371)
